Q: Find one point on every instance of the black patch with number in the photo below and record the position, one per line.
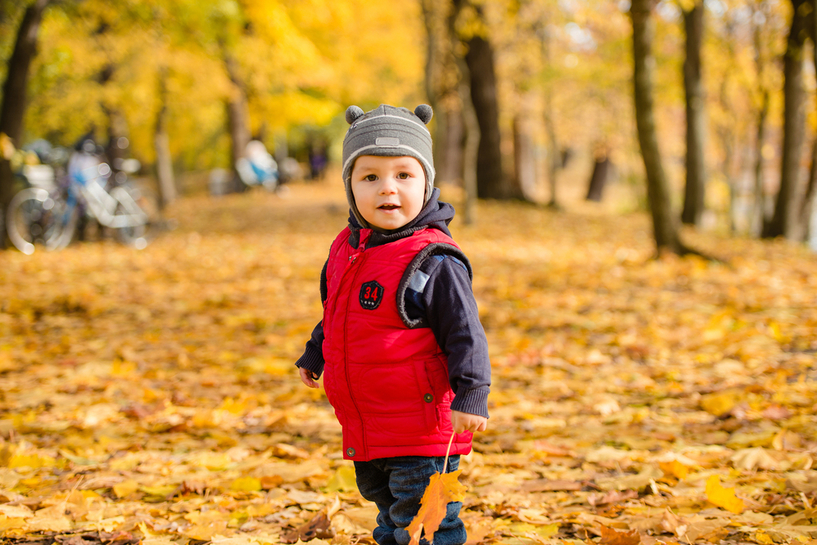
(371, 293)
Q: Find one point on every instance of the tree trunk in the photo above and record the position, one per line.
(807, 208)
(665, 228)
(432, 48)
(601, 171)
(480, 61)
(786, 215)
(115, 148)
(450, 148)
(759, 210)
(238, 122)
(470, 155)
(728, 145)
(161, 142)
(448, 129)
(554, 155)
(470, 152)
(808, 200)
(13, 104)
(523, 149)
(694, 202)
(555, 158)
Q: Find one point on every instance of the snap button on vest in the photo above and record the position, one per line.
(428, 398)
(350, 452)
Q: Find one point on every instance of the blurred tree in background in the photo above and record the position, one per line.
(532, 98)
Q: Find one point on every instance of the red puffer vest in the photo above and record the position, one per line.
(388, 383)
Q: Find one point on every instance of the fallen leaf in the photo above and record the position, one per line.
(318, 527)
(754, 458)
(610, 536)
(343, 480)
(675, 468)
(613, 496)
(246, 484)
(125, 488)
(722, 496)
(544, 485)
(441, 490)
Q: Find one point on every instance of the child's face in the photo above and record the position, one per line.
(389, 191)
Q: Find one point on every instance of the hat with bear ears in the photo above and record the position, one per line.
(387, 131)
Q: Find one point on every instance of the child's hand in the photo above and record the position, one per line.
(309, 378)
(463, 422)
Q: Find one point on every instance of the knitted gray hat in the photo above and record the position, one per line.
(387, 131)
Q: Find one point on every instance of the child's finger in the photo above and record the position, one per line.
(308, 378)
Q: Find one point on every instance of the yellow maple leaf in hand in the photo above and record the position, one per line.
(441, 489)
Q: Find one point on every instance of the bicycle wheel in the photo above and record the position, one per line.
(36, 219)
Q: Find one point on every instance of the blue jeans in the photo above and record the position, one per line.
(396, 486)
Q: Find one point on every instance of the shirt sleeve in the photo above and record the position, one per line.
(450, 309)
(312, 358)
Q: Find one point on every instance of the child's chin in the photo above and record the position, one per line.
(390, 225)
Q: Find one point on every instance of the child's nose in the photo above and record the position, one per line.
(388, 186)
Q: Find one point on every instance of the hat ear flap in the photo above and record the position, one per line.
(424, 112)
(352, 113)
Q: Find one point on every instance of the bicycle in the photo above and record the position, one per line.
(47, 213)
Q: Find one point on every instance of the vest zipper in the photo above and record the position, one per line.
(352, 260)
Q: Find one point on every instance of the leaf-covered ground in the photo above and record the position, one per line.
(152, 395)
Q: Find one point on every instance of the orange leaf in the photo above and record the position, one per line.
(441, 490)
(675, 468)
(722, 496)
(613, 537)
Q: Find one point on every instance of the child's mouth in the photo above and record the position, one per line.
(388, 207)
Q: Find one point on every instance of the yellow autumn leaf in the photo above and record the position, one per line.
(343, 480)
(125, 488)
(33, 461)
(159, 491)
(720, 403)
(548, 530)
(206, 524)
(763, 538)
(246, 484)
(722, 496)
(205, 532)
(11, 523)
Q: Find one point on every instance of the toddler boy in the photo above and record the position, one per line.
(403, 354)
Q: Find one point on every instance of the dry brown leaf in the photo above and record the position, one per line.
(613, 496)
(610, 536)
(319, 527)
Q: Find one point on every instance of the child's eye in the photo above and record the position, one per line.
(404, 175)
(370, 178)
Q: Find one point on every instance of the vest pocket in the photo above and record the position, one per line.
(437, 373)
(392, 403)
